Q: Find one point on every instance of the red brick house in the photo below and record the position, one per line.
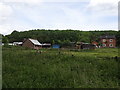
(32, 43)
(108, 41)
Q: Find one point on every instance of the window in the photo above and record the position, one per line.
(111, 40)
(111, 45)
(104, 45)
(104, 40)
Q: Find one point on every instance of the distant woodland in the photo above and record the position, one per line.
(62, 37)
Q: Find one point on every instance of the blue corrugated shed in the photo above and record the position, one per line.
(55, 46)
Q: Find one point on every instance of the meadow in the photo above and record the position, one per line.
(60, 68)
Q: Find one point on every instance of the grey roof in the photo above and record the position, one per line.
(35, 42)
(108, 37)
(46, 44)
(17, 42)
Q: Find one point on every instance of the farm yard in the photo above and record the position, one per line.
(60, 68)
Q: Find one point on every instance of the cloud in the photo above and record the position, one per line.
(9, 27)
(32, 14)
(5, 12)
(103, 7)
(39, 1)
(4, 29)
(74, 15)
(23, 1)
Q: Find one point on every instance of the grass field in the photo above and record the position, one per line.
(53, 68)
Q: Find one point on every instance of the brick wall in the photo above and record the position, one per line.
(108, 43)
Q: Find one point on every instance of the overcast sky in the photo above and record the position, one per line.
(24, 15)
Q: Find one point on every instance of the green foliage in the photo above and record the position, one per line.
(59, 36)
(5, 41)
(25, 68)
(53, 42)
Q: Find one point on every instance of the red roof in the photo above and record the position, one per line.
(94, 42)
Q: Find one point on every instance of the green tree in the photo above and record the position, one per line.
(53, 41)
(5, 40)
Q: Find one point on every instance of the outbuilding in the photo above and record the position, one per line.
(82, 45)
(46, 45)
(32, 43)
(56, 46)
(17, 43)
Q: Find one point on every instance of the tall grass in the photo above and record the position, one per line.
(24, 68)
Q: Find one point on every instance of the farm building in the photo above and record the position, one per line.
(32, 43)
(17, 43)
(82, 45)
(72, 45)
(55, 46)
(46, 45)
(96, 44)
(88, 46)
(10, 44)
(78, 45)
(108, 41)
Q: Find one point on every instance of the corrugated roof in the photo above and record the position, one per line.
(17, 42)
(46, 44)
(35, 42)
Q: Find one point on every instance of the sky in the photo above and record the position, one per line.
(22, 15)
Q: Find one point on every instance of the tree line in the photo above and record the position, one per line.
(63, 37)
